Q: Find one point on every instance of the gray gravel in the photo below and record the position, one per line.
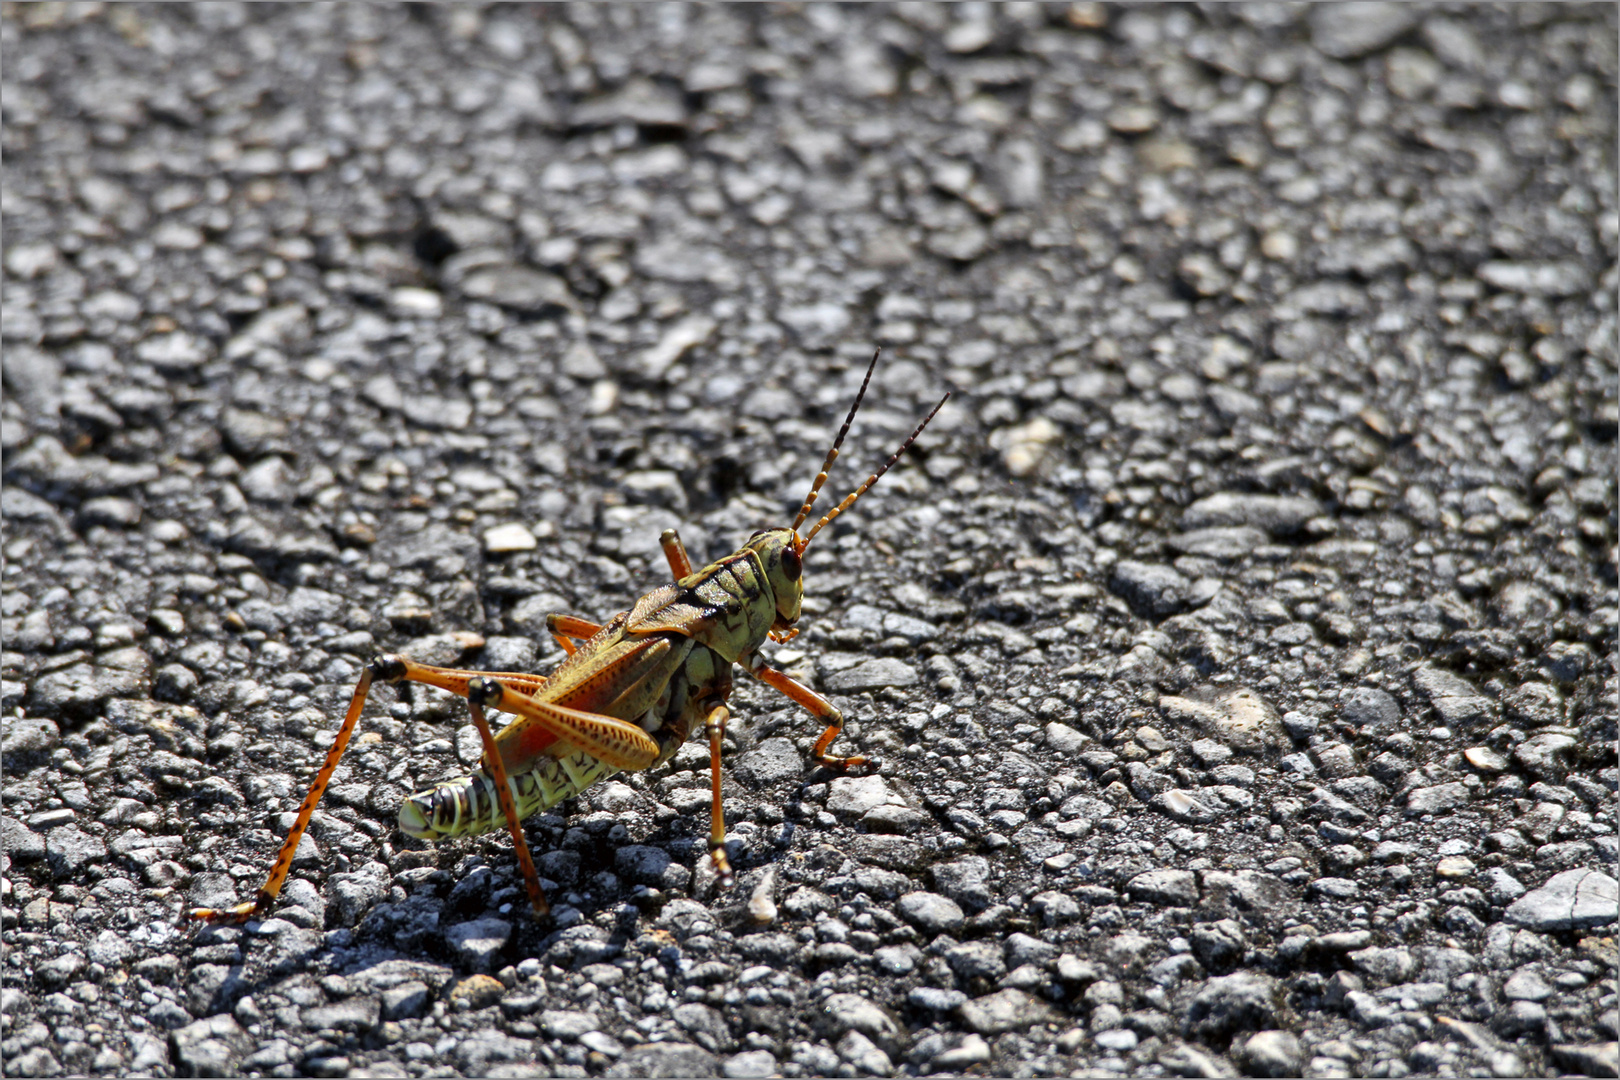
(1238, 645)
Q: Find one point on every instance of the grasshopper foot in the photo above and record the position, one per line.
(861, 764)
(722, 864)
(230, 916)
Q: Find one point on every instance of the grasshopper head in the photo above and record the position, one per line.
(781, 553)
(782, 550)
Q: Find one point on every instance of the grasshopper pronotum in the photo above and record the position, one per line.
(625, 698)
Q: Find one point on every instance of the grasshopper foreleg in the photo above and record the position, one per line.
(817, 705)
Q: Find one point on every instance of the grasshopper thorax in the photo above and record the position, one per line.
(780, 553)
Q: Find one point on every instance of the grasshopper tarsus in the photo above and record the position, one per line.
(627, 696)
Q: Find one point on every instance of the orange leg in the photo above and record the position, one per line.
(715, 727)
(617, 742)
(389, 669)
(477, 692)
(565, 630)
(675, 551)
(814, 702)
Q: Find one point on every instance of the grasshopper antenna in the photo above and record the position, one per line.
(849, 500)
(832, 455)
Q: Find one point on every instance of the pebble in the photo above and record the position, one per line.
(675, 342)
(1240, 718)
(1551, 279)
(209, 1047)
(69, 848)
(853, 796)
(1226, 1004)
(1526, 986)
(971, 1051)
(1584, 1059)
(567, 1023)
(853, 1012)
(1153, 590)
(762, 901)
(1229, 542)
(1452, 696)
(1485, 759)
(1278, 515)
(1272, 1053)
(1454, 867)
(976, 962)
(1005, 1010)
(771, 761)
(1350, 30)
(1024, 446)
(749, 1064)
(1436, 799)
(508, 538)
(1334, 888)
(29, 735)
(1547, 755)
(872, 675)
(930, 997)
(1116, 1040)
(931, 912)
(405, 1000)
(1501, 887)
(1219, 945)
(519, 288)
(112, 511)
(1164, 888)
(1579, 899)
(1065, 739)
(1371, 710)
(479, 941)
(476, 992)
(1184, 806)
(358, 1014)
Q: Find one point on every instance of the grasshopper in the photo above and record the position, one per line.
(625, 698)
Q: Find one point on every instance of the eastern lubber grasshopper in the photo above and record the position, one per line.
(626, 697)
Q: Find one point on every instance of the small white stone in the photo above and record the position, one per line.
(1454, 867)
(762, 904)
(421, 303)
(1025, 445)
(511, 537)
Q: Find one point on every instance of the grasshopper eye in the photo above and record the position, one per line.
(792, 565)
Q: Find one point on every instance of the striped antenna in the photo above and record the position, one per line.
(832, 455)
(849, 500)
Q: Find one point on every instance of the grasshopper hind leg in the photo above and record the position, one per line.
(480, 691)
(394, 669)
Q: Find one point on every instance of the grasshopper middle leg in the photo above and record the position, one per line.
(715, 728)
(568, 631)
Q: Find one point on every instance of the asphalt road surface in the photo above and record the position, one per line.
(1238, 645)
